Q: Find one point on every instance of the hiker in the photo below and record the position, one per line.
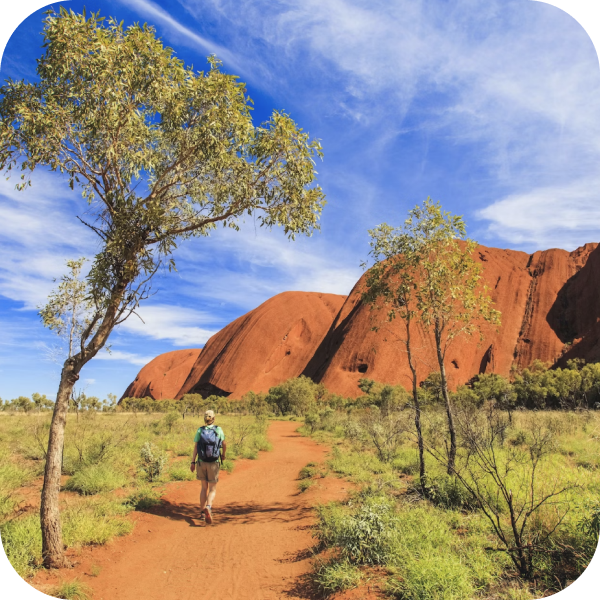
(209, 447)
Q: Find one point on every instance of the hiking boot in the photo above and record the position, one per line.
(208, 515)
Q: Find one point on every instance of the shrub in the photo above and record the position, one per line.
(181, 472)
(363, 535)
(94, 479)
(337, 576)
(152, 461)
(72, 590)
(22, 541)
(304, 484)
(143, 499)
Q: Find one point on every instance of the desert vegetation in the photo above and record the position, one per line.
(519, 516)
(114, 462)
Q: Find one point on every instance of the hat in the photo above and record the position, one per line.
(209, 415)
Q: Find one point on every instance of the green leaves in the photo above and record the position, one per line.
(158, 151)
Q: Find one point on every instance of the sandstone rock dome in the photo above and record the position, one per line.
(163, 376)
(550, 305)
(535, 294)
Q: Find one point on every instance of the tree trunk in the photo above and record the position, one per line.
(52, 544)
(440, 357)
(413, 370)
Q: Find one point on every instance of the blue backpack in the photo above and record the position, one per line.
(209, 446)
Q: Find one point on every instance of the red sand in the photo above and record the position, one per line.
(259, 547)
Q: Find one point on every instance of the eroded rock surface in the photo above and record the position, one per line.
(162, 377)
(550, 305)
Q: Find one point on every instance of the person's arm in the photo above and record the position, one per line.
(193, 465)
(223, 450)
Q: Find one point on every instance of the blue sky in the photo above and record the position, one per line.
(491, 107)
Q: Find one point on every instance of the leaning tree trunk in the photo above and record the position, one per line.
(52, 544)
(446, 396)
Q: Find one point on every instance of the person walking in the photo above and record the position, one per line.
(209, 450)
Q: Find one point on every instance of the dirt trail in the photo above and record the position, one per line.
(257, 549)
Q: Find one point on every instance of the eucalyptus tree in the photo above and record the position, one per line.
(451, 298)
(391, 284)
(160, 153)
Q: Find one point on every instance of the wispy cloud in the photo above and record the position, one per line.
(128, 357)
(537, 219)
(180, 325)
(158, 14)
(491, 79)
(39, 233)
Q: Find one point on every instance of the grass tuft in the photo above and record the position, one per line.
(72, 590)
(93, 479)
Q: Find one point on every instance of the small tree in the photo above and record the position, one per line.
(391, 285)
(40, 401)
(450, 297)
(23, 404)
(160, 153)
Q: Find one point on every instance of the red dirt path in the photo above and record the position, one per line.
(258, 548)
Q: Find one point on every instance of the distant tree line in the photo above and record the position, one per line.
(537, 387)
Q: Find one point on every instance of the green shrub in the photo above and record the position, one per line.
(447, 492)
(72, 590)
(93, 479)
(143, 499)
(227, 465)
(363, 535)
(337, 576)
(304, 484)
(181, 472)
(84, 526)
(22, 541)
(431, 576)
(152, 461)
(310, 470)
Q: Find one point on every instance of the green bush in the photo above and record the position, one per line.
(181, 472)
(447, 492)
(363, 535)
(22, 541)
(152, 461)
(143, 499)
(93, 479)
(337, 576)
(72, 590)
(304, 484)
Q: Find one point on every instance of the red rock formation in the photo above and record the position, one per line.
(524, 288)
(163, 376)
(265, 346)
(550, 305)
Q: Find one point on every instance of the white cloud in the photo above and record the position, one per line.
(180, 325)
(492, 77)
(564, 217)
(118, 355)
(160, 15)
(39, 233)
(246, 268)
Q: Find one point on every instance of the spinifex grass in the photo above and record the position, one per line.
(443, 547)
(102, 453)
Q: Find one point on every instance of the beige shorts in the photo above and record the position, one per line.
(208, 471)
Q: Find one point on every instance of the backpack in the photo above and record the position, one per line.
(209, 445)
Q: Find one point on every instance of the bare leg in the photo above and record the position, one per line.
(212, 490)
(203, 494)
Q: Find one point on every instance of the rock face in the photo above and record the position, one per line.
(547, 299)
(265, 346)
(163, 377)
(550, 305)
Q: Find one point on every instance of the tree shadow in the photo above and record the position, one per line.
(238, 512)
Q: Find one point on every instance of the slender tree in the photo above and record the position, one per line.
(161, 153)
(451, 299)
(69, 308)
(391, 284)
